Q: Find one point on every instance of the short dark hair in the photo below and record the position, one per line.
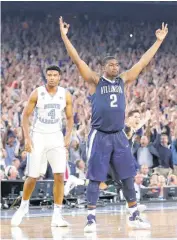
(164, 134)
(130, 114)
(53, 67)
(77, 162)
(106, 59)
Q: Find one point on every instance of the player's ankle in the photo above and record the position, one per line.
(91, 211)
(24, 203)
(57, 209)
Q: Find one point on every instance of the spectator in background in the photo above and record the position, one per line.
(146, 154)
(23, 156)
(11, 173)
(80, 169)
(23, 162)
(22, 169)
(81, 134)
(153, 181)
(138, 185)
(174, 156)
(74, 151)
(172, 180)
(10, 149)
(161, 184)
(144, 170)
(3, 157)
(2, 175)
(16, 163)
(166, 164)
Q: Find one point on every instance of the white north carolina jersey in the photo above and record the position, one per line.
(49, 110)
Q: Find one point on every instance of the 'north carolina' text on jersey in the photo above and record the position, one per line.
(49, 110)
(108, 105)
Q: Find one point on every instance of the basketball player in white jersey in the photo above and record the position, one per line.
(46, 141)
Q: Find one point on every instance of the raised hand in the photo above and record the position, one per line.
(148, 115)
(161, 33)
(64, 27)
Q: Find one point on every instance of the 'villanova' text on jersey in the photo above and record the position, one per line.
(108, 105)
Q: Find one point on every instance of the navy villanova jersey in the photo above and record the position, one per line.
(108, 106)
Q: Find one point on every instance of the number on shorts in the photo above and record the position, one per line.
(52, 114)
(113, 98)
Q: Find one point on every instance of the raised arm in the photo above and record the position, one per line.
(69, 116)
(133, 73)
(29, 108)
(87, 74)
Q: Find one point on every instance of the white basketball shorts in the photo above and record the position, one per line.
(46, 148)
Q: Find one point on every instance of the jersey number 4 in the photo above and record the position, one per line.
(52, 114)
(113, 98)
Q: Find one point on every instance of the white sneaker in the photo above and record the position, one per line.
(19, 214)
(135, 221)
(58, 221)
(91, 224)
(58, 233)
(71, 183)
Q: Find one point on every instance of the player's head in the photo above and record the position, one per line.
(134, 118)
(53, 75)
(110, 67)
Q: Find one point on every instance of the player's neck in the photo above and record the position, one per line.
(51, 89)
(109, 78)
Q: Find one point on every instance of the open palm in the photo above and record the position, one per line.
(161, 33)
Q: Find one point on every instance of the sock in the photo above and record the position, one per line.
(57, 208)
(132, 209)
(24, 203)
(91, 211)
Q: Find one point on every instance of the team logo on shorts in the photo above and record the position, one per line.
(42, 93)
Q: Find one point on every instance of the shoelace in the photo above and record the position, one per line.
(90, 222)
(139, 218)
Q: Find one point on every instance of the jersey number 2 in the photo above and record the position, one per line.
(113, 98)
(52, 114)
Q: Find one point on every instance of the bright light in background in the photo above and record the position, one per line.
(131, 35)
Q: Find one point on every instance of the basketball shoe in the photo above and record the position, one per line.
(19, 214)
(58, 221)
(135, 221)
(91, 224)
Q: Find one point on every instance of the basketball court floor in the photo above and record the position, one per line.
(111, 224)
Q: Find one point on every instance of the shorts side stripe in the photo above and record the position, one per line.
(92, 137)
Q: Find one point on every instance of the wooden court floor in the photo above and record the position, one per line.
(109, 226)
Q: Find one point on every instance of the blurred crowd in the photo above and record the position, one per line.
(30, 45)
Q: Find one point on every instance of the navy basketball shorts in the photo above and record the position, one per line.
(106, 148)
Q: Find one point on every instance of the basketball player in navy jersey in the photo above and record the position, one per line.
(107, 140)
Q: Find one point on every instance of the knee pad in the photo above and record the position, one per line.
(92, 192)
(129, 189)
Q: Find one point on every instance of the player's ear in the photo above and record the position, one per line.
(103, 68)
